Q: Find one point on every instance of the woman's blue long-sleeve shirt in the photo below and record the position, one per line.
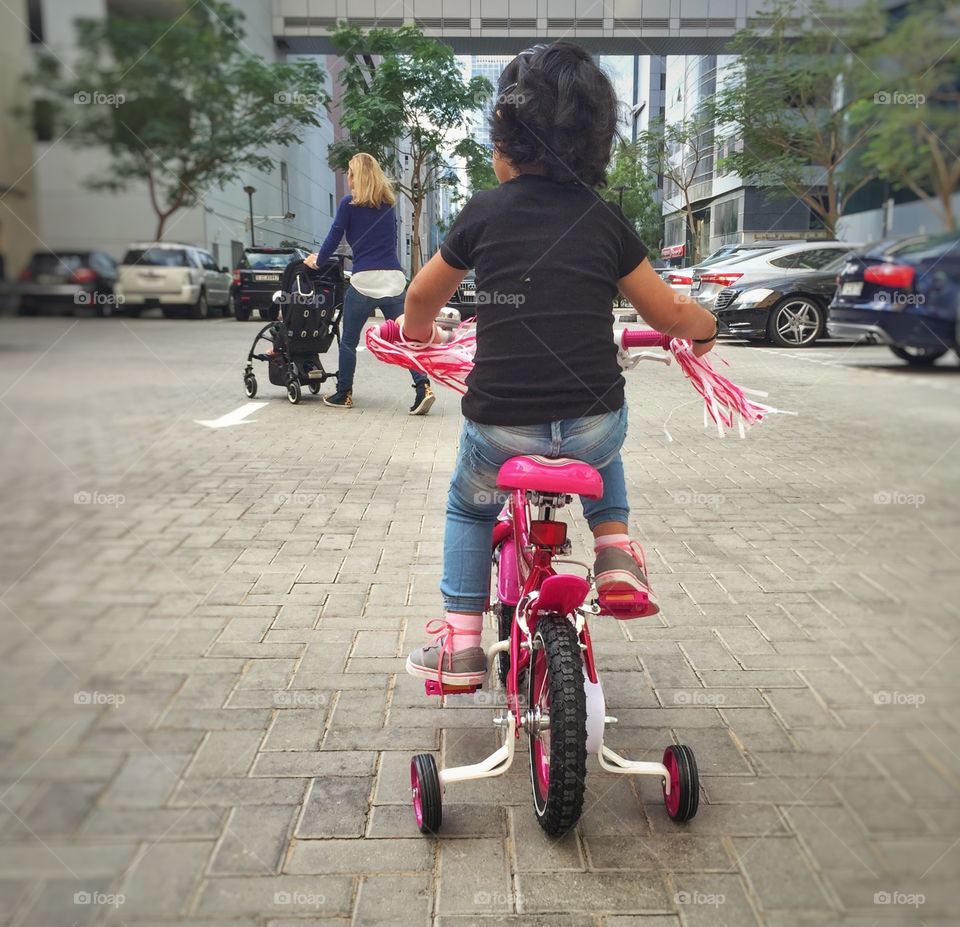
(371, 234)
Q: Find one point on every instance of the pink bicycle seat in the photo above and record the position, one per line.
(551, 474)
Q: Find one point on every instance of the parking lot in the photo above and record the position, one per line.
(206, 719)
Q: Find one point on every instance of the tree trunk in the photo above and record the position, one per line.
(415, 235)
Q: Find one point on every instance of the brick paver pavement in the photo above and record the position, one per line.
(205, 719)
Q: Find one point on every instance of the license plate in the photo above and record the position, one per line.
(273, 278)
(695, 285)
(49, 279)
(851, 288)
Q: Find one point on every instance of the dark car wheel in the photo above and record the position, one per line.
(241, 313)
(229, 307)
(795, 322)
(201, 308)
(918, 357)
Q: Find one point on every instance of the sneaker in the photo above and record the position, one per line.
(424, 399)
(621, 579)
(340, 400)
(467, 667)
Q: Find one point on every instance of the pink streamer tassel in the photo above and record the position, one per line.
(725, 403)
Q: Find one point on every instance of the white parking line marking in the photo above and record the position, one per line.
(236, 417)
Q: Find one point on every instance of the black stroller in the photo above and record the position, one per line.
(311, 304)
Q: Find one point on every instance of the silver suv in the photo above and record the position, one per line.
(179, 278)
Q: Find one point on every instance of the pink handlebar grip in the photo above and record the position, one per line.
(390, 331)
(639, 338)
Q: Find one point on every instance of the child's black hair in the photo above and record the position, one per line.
(556, 111)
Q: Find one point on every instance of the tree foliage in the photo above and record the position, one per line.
(629, 171)
(180, 104)
(788, 105)
(406, 103)
(912, 119)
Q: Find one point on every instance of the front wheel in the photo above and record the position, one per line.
(556, 721)
(795, 322)
(293, 392)
(918, 357)
(250, 385)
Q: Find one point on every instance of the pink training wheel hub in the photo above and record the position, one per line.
(684, 797)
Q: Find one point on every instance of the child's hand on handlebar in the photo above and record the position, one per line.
(437, 335)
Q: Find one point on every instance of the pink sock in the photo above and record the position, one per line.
(467, 627)
(609, 540)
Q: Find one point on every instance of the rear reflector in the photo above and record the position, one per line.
(548, 533)
(84, 275)
(890, 275)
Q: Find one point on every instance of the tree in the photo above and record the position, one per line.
(411, 111)
(786, 110)
(683, 153)
(179, 103)
(629, 171)
(914, 121)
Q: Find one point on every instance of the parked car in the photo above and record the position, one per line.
(789, 309)
(179, 278)
(747, 268)
(681, 278)
(905, 293)
(257, 276)
(465, 299)
(76, 281)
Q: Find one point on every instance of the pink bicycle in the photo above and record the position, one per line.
(544, 657)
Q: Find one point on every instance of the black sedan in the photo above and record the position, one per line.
(256, 279)
(789, 310)
(465, 299)
(905, 293)
(81, 282)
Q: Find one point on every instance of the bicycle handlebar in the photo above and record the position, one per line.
(643, 338)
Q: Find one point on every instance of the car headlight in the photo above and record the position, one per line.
(754, 296)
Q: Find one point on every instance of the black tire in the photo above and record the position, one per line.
(169, 312)
(504, 615)
(241, 313)
(201, 308)
(293, 392)
(425, 784)
(250, 385)
(314, 388)
(229, 307)
(555, 643)
(103, 307)
(918, 357)
(687, 784)
(795, 322)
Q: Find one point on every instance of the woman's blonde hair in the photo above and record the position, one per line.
(371, 187)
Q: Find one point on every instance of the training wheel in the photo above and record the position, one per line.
(293, 391)
(684, 797)
(425, 784)
(250, 385)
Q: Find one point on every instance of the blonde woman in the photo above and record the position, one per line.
(368, 219)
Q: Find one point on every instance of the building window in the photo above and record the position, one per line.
(35, 21)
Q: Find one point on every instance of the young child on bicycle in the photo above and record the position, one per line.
(549, 256)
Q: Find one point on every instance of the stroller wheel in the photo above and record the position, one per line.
(293, 391)
(250, 385)
(314, 388)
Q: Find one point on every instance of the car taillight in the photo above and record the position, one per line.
(26, 275)
(890, 275)
(83, 275)
(236, 278)
(722, 279)
(548, 533)
(679, 279)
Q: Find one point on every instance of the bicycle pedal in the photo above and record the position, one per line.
(435, 688)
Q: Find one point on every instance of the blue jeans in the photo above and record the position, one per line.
(473, 501)
(356, 311)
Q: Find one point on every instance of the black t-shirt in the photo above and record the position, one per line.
(548, 257)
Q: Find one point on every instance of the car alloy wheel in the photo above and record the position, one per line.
(795, 323)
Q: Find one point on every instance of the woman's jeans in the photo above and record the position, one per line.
(473, 501)
(356, 311)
